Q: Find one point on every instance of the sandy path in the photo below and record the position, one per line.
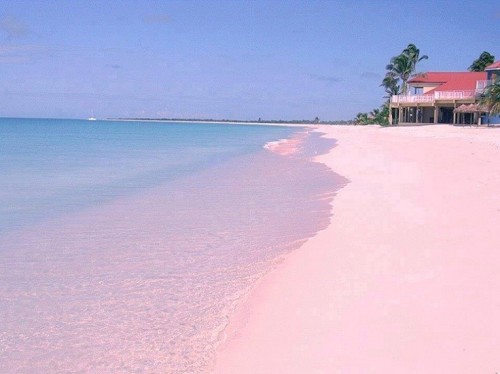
(406, 279)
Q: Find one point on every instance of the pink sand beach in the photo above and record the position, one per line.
(406, 277)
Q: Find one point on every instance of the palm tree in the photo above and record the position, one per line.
(361, 118)
(491, 98)
(404, 65)
(400, 67)
(391, 87)
(414, 55)
(482, 62)
(383, 115)
(375, 113)
(390, 84)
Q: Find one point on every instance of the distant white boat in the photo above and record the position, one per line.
(92, 119)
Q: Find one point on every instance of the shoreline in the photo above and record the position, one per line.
(403, 279)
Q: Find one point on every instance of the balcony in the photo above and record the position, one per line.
(409, 99)
(431, 99)
(455, 95)
(481, 85)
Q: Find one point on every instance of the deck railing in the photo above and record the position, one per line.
(443, 95)
(412, 99)
(439, 95)
(481, 85)
(455, 95)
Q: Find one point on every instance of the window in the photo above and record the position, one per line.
(418, 90)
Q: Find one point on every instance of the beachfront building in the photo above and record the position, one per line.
(443, 97)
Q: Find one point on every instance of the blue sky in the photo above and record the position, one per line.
(224, 59)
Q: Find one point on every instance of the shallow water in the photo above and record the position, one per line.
(142, 279)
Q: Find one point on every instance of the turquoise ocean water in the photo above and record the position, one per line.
(52, 166)
(124, 246)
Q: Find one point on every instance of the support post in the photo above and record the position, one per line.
(454, 113)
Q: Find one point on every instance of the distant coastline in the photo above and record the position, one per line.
(236, 121)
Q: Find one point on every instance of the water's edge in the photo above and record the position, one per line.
(235, 314)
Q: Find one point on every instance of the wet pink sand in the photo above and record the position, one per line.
(287, 147)
(406, 277)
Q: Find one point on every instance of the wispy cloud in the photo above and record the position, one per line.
(326, 78)
(114, 66)
(370, 75)
(12, 27)
(159, 19)
(19, 54)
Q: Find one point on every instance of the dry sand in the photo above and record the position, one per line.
(406, 278)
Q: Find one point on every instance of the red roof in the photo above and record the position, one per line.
(493, 66)
(450, 81)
